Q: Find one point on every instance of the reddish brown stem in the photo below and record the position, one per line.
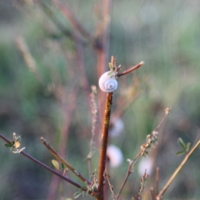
(102, 49)
(131, 69)
(103, 147)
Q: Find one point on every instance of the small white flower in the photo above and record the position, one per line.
(115, 156)
(145, 164)
(117, 128)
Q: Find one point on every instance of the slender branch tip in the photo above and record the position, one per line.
(142, 63)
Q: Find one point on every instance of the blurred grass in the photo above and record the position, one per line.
(163, 34)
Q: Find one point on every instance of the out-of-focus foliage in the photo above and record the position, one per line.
(165, 34)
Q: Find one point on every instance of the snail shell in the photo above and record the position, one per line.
(108, 82)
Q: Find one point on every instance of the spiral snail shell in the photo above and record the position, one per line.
(108, 82)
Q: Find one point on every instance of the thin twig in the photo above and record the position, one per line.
(84, 83)
(143, 182)
(130, 70)
(67, 103)
(177, 170)
(152, 194)
(157, 179)
(46, 167)
(167, 110)
(131, 93)
(129, 171)
(106, 175)
(146, 146)
(104, 141)
(94, 123)
(72, 19)
(28, 58)
(59, 158)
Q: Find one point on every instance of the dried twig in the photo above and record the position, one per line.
(67, 103)
(46, 167)
(28, 58)
(153, 196)
(60, 159)
(143, 181)
(130, 70)
(150, 140)
(129, 171)
(84, 83)
(107, 177)
(159, 196)
(157, 179)
(94, 122)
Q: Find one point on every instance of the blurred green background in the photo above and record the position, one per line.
(164, 34)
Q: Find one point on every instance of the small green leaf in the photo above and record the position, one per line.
(78, 194)
(9, 144)
(110, 66)
(180, 153)
(63, 167)
(182, 143)
(188, 147)
(56, 164)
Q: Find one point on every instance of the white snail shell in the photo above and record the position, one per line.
(108, 82)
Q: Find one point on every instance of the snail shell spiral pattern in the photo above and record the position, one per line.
(108, 82)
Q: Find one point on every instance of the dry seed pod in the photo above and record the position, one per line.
(108, 82)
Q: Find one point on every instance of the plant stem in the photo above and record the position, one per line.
(104, 141)
(133, 163)
(157, 179)
(46, 167)
(177, 170)
(131, 69)
(129, 171)
(102, 48)
(72, 19)
(59, 158)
